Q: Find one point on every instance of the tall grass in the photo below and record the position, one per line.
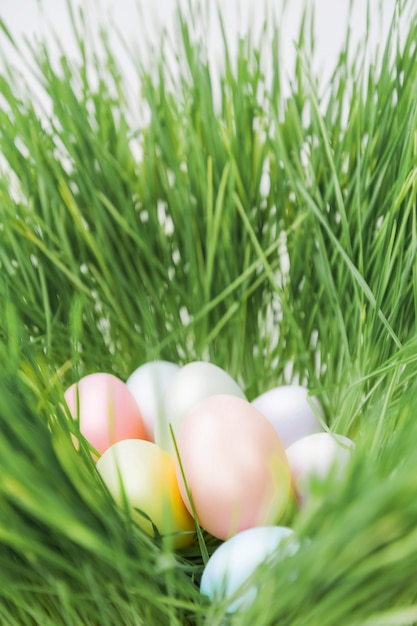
(214, 218)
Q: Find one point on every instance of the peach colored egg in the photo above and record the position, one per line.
(106, 409)
(143, 475)
(235, 466)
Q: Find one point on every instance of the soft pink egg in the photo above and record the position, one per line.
(106, 409)
(235, 466)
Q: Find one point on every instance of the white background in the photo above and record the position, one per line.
(34, 18)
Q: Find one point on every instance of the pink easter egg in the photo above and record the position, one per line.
(106, 409)
(234, 464)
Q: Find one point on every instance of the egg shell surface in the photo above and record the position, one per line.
(235, 560)
(234, 464)
(317, 456)
(106, 410)
(291, 412)
(143, 474)
(147, 385)
(194, 382)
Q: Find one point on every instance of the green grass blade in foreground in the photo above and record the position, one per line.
(57, 525)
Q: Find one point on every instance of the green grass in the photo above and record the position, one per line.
(272, 234)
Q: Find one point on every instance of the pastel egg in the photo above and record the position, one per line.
(317, 456)
(143, 475)
(192, 383)
(291, 411)
(234, 562)
(234, 464)
(106, 410)
(147, 385)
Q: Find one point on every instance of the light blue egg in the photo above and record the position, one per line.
(235, 560)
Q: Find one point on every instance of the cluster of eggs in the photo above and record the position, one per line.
(177, 444)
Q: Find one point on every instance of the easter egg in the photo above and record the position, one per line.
(234, 562)
(234, 464)
(141, 474)
(147, 385)
(317, 456)
(192, 383)
(291, 412)
(106, 410)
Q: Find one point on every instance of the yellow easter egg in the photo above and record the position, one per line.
(141, 474)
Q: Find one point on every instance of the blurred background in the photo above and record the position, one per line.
(137, 20)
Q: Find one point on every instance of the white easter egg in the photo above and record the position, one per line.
(235, 560)
(147, 384)
(317, 456)
(291, 411)
(193, 382)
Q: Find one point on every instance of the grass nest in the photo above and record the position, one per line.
(222, 214)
